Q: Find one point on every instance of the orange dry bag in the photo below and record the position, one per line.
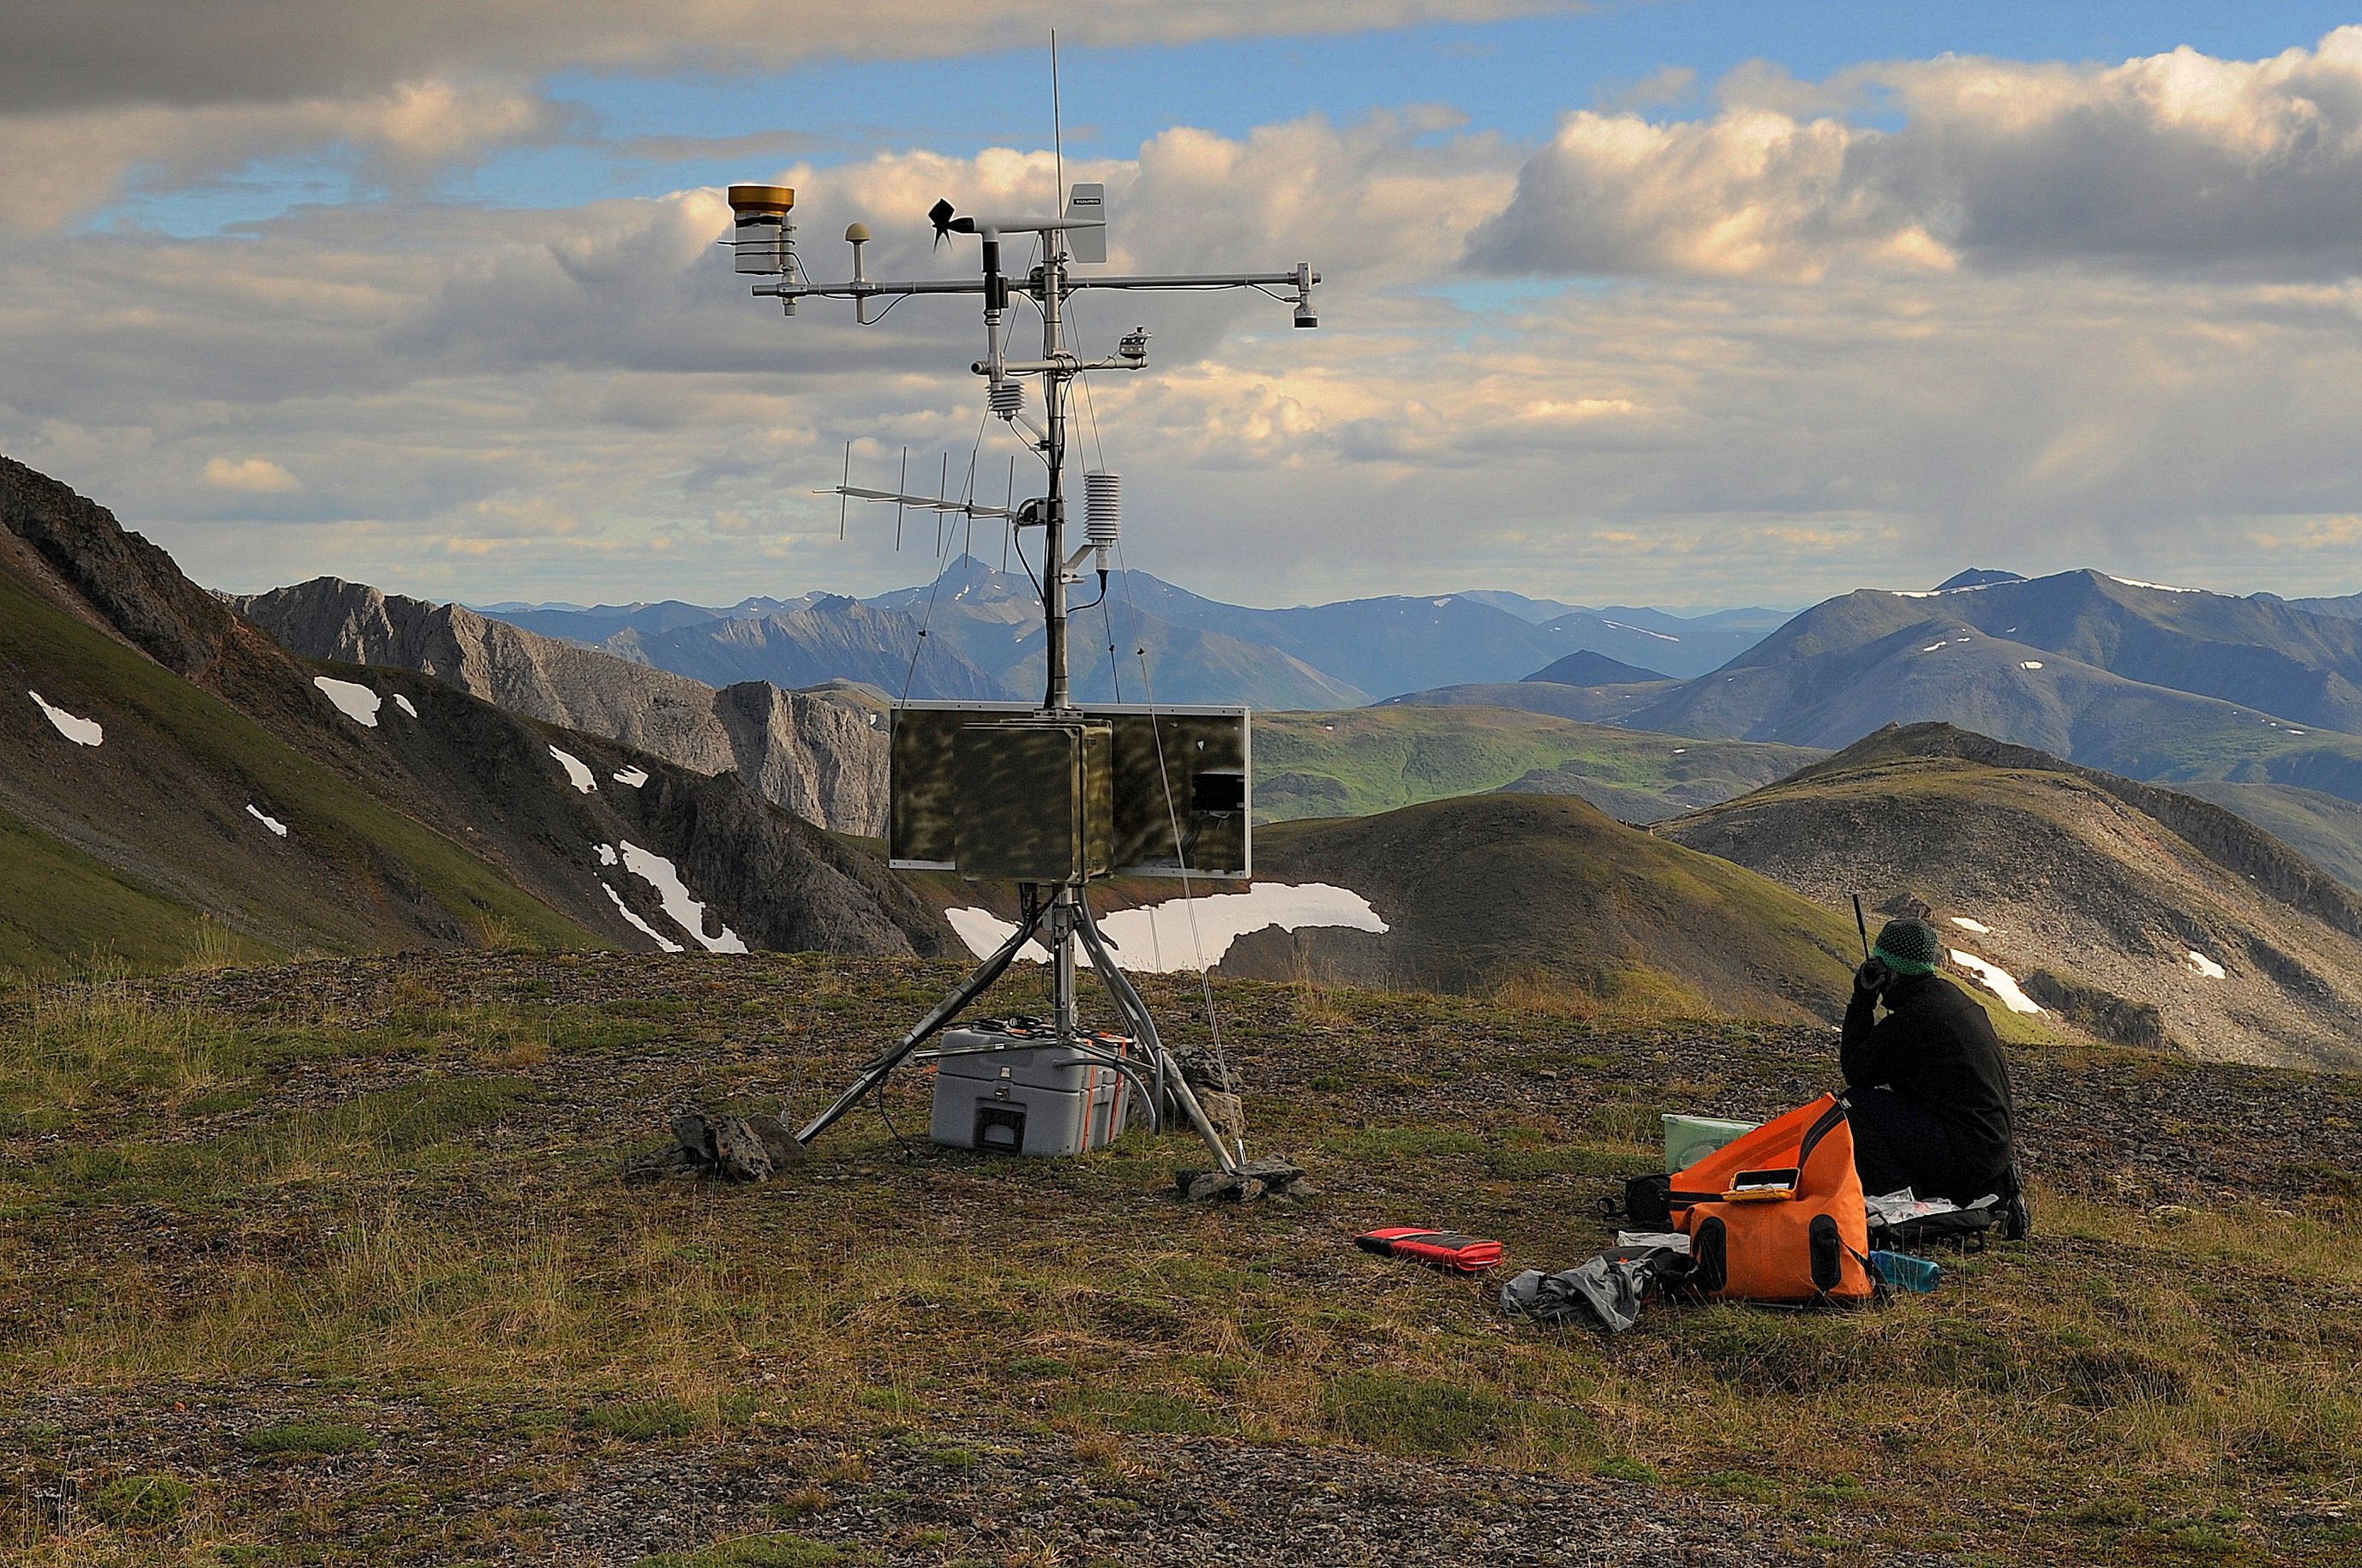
(1776, 1215)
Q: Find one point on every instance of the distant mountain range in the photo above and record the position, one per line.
(975, 632)
(2144, 681)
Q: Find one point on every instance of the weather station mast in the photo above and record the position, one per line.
(1056, 795)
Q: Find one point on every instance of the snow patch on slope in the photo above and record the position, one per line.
(1997, 980)
(1965, 923)
(81, 731)
(403, 704)
(353, 700)
(684, 911)
(633, 776)
(1160, 940)
(266, 819)
(577, 773)
(662, 941)
(2199, 964)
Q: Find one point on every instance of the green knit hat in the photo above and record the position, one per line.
(1910, 946)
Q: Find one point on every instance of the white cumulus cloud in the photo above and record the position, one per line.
(2170, 163)
(258, 475)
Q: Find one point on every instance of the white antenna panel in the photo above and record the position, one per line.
(1087, 202)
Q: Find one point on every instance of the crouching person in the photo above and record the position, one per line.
(1929, 1093)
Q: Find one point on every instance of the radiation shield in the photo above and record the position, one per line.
(1179, 781)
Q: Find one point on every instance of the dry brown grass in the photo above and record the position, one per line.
(441, 1237)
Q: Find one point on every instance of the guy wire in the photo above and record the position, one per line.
(1173, 817)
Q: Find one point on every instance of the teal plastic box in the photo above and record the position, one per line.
(1689, 1139)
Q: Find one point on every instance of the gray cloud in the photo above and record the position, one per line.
(116, 53)
(2176, 161)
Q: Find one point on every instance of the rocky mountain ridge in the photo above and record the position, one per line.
(820, 755)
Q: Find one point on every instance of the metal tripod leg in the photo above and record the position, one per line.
(967, 990)
(1128, 1002)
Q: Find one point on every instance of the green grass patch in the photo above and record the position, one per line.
(142, 1502)
(1137, 1410)
(308, 1438)
(1397, 1412)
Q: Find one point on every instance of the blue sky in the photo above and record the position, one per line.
(1683, 303)
(1513, 78)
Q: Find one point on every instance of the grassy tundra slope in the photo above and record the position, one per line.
(333, 1267)
(1545, 900)
(1352, 763)
(143, 845)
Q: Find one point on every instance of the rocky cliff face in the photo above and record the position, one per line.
(820, 755)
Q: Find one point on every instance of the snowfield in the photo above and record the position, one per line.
(577, 773)
(81, 731)
(353, 700)
(633, 777)
(1183, 934)
(683, 910)
(1997, 980)
(663, 943)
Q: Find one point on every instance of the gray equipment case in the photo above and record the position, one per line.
(1021, 1093)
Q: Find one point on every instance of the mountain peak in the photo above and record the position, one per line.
(1978, 576)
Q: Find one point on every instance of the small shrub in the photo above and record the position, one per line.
(1622, 1469)
(642, 1420)
(1396, 1413)
(309, 1438)
(761, 1551)
(799, 1502)
(141, 1502)
(2104, 1377)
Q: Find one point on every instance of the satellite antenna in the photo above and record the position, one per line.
(1039, 796)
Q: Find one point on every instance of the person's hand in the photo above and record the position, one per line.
(1871, 978)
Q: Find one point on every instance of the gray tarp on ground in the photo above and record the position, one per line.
(1606, 1291)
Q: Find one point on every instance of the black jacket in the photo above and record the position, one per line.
(1936, 1046)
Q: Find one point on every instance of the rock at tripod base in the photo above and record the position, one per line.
(724, 1148)
(1257, 1180)
(1225, 1111)
(738, 1151)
